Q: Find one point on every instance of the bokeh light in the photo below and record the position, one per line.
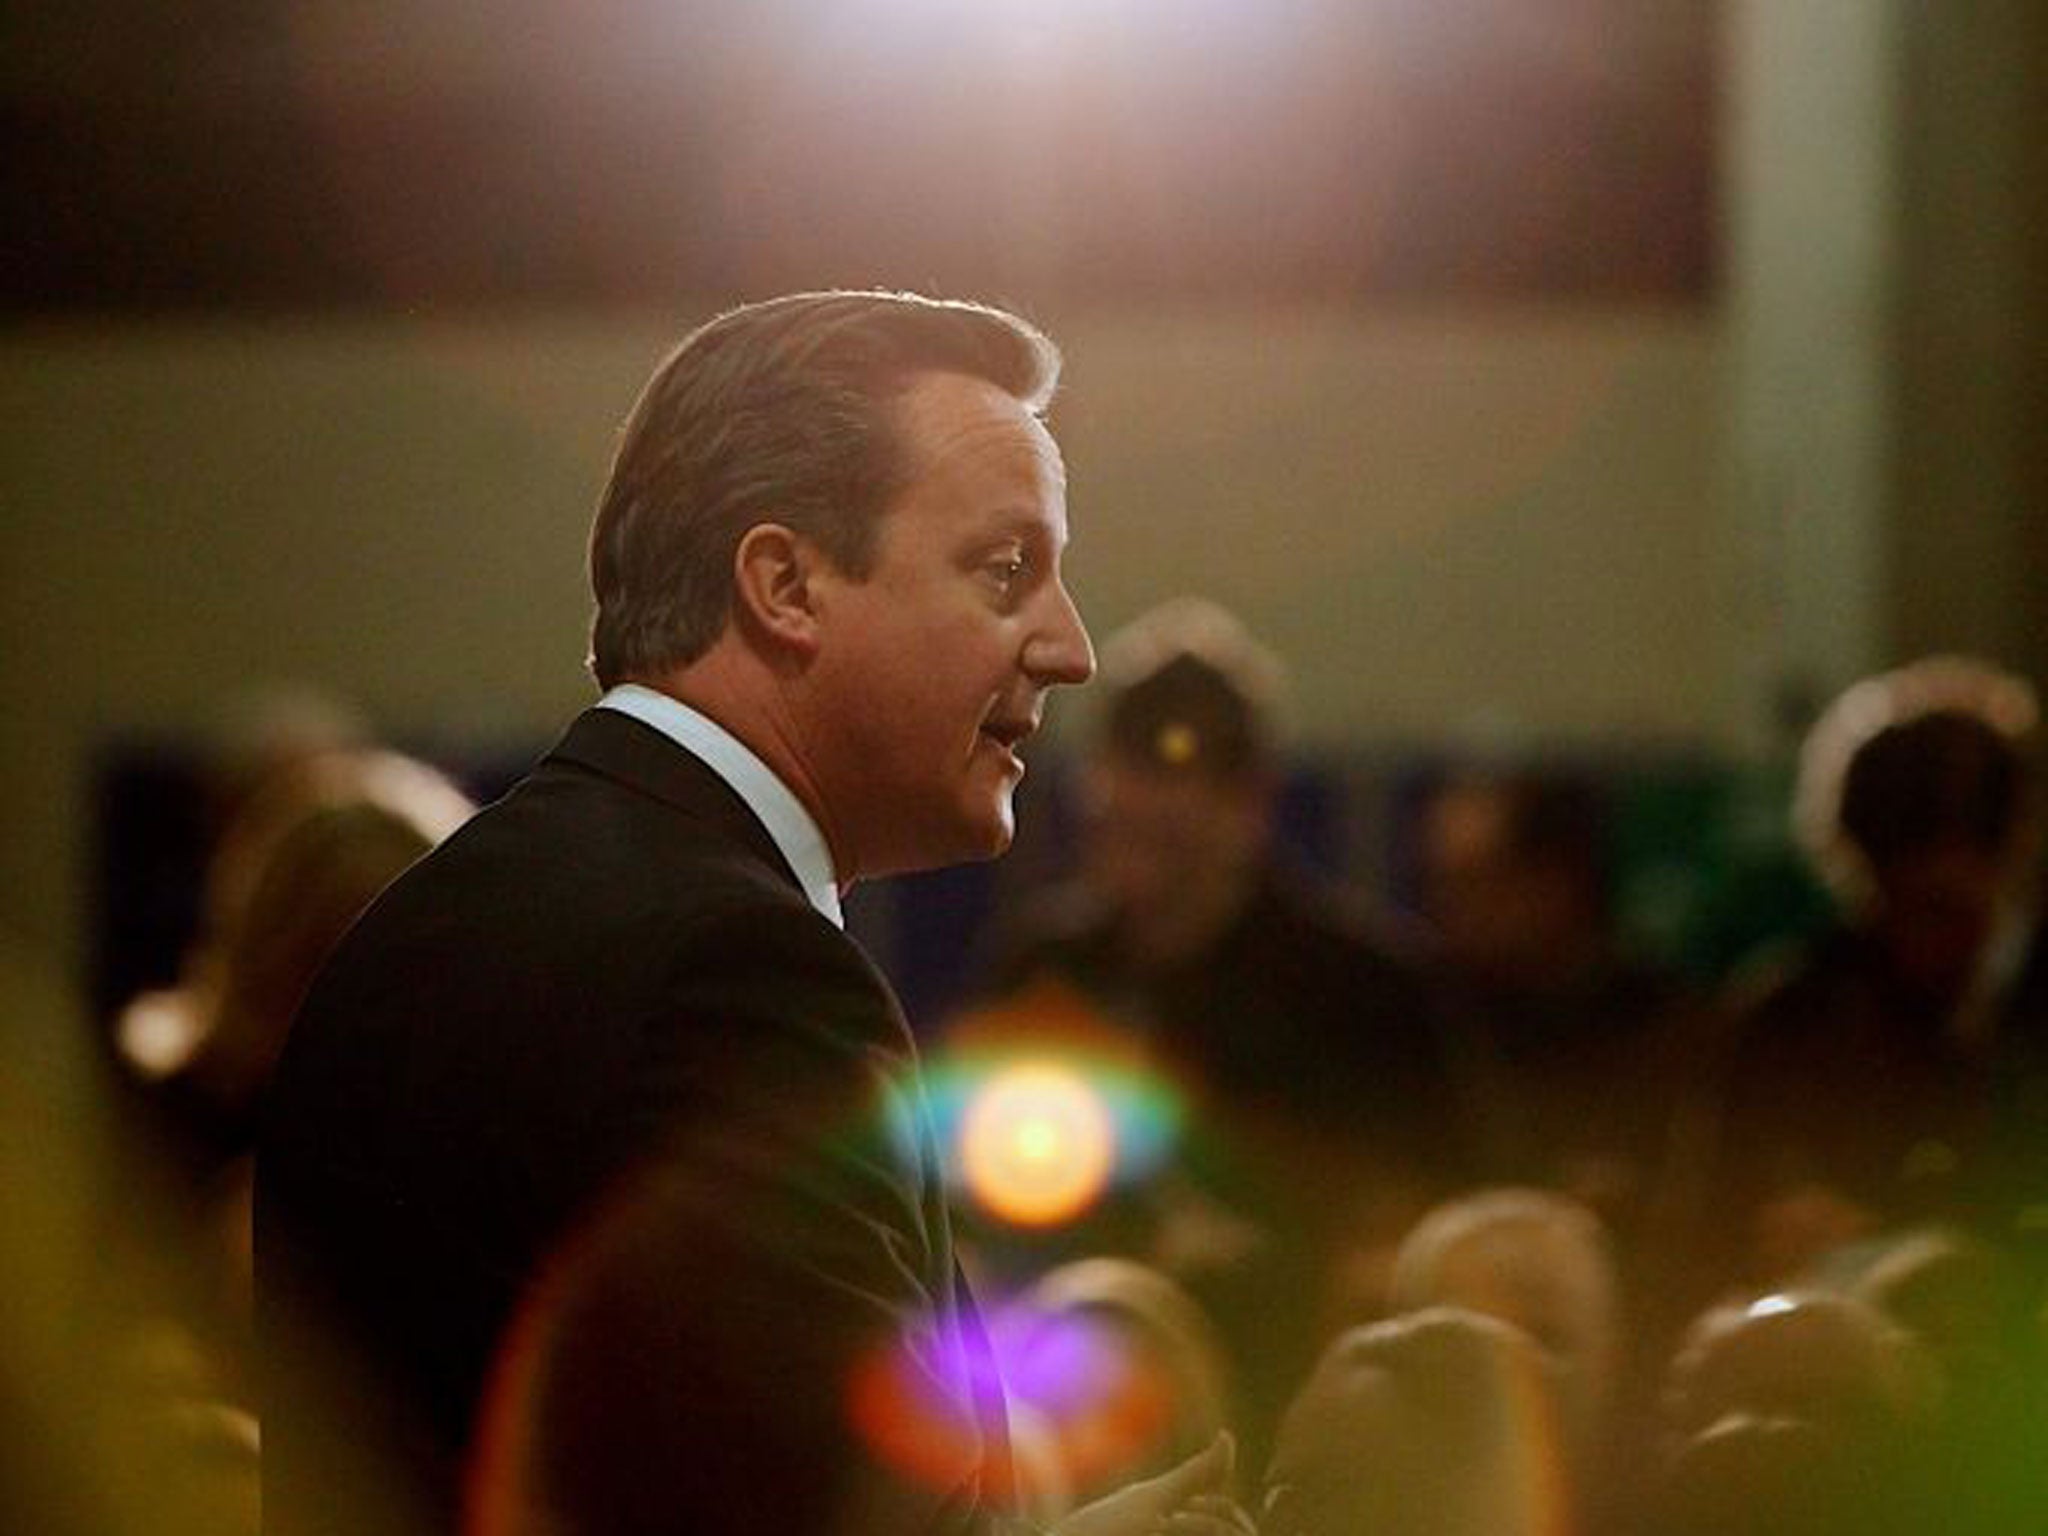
(1037, 1143)
(1049, 1028)
(911, 1403)
(1102, 1395)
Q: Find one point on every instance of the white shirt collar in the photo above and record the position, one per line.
(771, 800)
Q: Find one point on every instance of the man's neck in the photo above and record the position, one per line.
(730, 685)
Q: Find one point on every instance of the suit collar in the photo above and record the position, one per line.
(638, 756)
(787, 818)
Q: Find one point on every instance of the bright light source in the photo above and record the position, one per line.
(1037, 1143)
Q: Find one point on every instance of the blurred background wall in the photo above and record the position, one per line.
(1583, 371)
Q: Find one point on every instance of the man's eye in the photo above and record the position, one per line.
(1007, 570)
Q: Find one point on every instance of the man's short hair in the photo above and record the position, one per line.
(1190, 691)
(782, 411)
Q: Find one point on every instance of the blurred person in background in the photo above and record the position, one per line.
(1250, 978)
(314, 841)
(1896, 1069)
(1319, 1095)
(312, 845)
(599, 1156)
(1574, 1051)
(1582, 1060)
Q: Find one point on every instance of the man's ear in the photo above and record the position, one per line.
(775, 585)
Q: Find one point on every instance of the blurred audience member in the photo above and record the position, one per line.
(306, 854)
(1577, 1052)
(1897, 1068)
(1987, 1463)
(1257, 985)
(1306, 1053)
(1822, 1358)
(1951, 1291)
(1119, 1367)
(1434, 1424)
(1800, 1412)
(1759, 1475)
(308, 850)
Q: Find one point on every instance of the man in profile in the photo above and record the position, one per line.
(598, 1107)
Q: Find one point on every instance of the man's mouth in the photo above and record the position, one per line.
(1009, 733)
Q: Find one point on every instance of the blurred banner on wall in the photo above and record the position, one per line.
(316, 152)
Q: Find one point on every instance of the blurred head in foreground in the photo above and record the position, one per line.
(1533, 1259)
(1433, 1424)
(1792, 1413)
(1764, 1475)
(1828, 1360)
(1956, 1295)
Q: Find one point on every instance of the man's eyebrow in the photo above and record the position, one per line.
(1021, 523)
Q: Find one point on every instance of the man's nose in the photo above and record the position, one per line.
(1060, 651)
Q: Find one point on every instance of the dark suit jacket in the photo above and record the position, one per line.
(595, 1078)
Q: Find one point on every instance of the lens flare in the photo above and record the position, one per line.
(916, 1413)
(1036, 1143)
(1101, 1395)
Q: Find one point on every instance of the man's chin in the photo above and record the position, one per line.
(999, 843)
(965, 840)
(991, 835)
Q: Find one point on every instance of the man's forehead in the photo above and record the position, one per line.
(946, 413)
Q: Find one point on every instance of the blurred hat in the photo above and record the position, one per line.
(1189, 690)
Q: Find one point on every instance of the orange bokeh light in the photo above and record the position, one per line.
(1037, 1143)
